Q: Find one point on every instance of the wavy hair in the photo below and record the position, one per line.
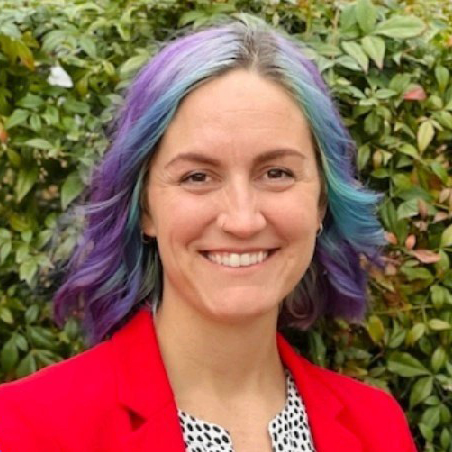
(112, 270)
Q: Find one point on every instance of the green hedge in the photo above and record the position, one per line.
(388, 64)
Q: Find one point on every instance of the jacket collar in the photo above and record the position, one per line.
(144, 389)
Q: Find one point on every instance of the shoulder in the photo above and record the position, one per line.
(371, 411)
(64, 379)
(354, 393)
(349, 388)
(319, 381)
(60, 395)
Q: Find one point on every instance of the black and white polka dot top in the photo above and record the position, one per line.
(288, 430)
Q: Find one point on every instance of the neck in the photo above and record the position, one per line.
(225, 359)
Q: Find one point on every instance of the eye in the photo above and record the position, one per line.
(196, 178)
(279, 173)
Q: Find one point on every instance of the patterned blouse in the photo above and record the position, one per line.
(289, 430)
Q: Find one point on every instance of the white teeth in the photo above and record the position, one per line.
(244, 260)
(234, 260)
(238, 260)
(225, 259)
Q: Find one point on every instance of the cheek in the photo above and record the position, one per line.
(296, 217)
(181, 219)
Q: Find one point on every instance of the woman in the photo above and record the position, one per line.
(226, 205)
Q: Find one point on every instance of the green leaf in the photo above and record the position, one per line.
(408, 209)
(385, 93)
(366, 15)
(19, 222)
(9, 356)
(189, 17)
(27, 365)
(375, 328)
(421, 390)
(439, 295)
(409, 149)
(43, 238)
(30, 101)
(417, 331)
(375, 47)
(416, 273)
(35, 122)
(426, 432)
(28, 270)
(41, 337)
(401, 27)
(88, 45)
(20, 341)
(73, 106)
(440, 171)
(446, 237)
(39, 143)
(348, 62)
(445, 439)
(6, 315)
(130, 66)
(431, 417)
(439, 325)
(18, 117)
(425, 135)
(444, 118)
(438, 359)
(347, 19)
(32, 313)
(71, 188)
(10, 29)
(356, 52)
(405, 365)
(363, 156)
(442, 76)
(51, 116)
(26, 179)
(5, 250)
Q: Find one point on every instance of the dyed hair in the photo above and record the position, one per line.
(112, 270)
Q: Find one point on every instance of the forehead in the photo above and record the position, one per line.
(236, 111)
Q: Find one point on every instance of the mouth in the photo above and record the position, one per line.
(238, 260)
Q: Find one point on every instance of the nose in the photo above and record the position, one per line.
(240, 214)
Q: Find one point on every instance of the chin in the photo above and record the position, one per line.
(239, 310)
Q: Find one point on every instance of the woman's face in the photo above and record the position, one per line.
(233, 198)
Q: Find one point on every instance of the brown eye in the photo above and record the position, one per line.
(197, 177)
(279, 173)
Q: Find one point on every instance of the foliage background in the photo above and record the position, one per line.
(388, 64)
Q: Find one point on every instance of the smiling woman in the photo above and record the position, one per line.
(226, 209)
(251, 189)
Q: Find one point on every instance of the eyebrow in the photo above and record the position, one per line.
(202, 158)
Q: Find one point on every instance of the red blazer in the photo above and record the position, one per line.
(116, 397)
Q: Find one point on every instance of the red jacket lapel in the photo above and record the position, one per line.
(322, 405)
(144, 389)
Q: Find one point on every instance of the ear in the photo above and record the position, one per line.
(147, 224)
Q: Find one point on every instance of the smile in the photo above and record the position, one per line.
(236, 260)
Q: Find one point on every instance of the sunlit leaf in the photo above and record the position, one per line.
(425, 135)
(401, 27)
(357, 53)
(421, 390)
(71, 188)
(366, 15)
(17, 118)
(405, 365)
